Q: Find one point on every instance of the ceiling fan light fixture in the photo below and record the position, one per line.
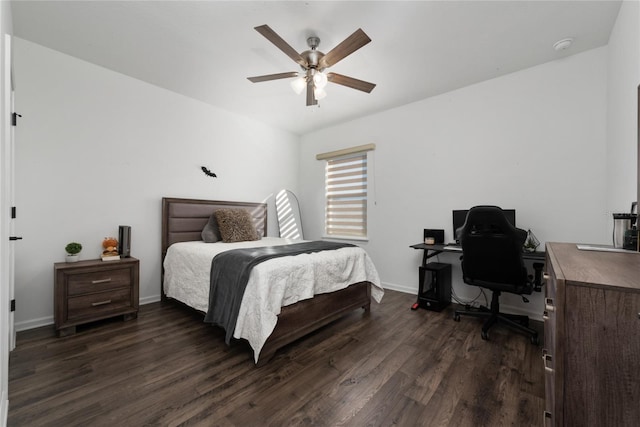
(299, 85)
(319, 93)
(320, 80)
(313, 63)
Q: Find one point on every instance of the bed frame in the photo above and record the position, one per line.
(184, 219)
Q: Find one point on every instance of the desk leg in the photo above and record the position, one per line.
(537, 281)
(425, 257)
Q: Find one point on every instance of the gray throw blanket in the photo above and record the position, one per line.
(230, 272)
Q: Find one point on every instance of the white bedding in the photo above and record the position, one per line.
(272, 284)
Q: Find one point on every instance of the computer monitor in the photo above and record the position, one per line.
(460, 216)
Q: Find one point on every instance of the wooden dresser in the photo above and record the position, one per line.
(591, 348)
(87, 291)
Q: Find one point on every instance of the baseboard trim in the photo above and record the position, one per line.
(400, 288)
(34, 323)
(149, 300)
(534, 315)
(46, 321)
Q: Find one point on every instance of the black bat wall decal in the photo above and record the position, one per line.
(208, 172)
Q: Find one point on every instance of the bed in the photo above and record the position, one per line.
(182, 224)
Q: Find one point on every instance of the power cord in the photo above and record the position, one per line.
(470, 302)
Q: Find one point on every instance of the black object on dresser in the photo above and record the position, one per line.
(91, 290)
(434, 289)
(124, 241)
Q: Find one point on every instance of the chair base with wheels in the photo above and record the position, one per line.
(493, 316)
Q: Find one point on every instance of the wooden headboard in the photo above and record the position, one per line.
(184, 219)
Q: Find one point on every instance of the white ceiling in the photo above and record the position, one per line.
(206, 49)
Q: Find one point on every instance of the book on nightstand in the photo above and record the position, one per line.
(110, 257)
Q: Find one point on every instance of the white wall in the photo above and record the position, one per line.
(532, 140)
(622, 114)
(97, 149)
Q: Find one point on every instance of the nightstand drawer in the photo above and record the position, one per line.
(93, 290)
(97, 281)
(99, 304)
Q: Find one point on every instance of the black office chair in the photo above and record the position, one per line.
(492, 259)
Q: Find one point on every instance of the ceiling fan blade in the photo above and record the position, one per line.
(268, 77)
(274, 38)
(311, 96)
(350, 82)
(352, 43)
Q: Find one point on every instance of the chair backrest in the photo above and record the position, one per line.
(492, 251)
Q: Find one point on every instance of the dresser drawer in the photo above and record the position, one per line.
(96, 281)
(99, 304)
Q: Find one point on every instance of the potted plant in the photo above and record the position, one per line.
(532, 242)
(73, 250)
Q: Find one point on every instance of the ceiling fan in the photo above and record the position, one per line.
(314, 63)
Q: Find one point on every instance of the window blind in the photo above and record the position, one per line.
(346, 196)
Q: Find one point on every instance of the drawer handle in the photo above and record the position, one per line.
(95, 304)
(548, 304)
(95, 282)
(547, 358)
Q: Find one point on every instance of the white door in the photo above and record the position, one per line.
(7, 333)
(11, 188)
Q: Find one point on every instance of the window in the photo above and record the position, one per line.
(346, 192)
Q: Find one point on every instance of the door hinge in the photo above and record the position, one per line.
(13, 305)
(13, 212)
(14, 119)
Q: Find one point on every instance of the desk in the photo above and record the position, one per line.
(437, 249)
(443, 300)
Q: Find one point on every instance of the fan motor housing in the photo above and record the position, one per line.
(312, 57)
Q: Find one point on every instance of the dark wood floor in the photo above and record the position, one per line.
(391, 367)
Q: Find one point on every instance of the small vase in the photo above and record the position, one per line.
(73, 258)
(531, 243)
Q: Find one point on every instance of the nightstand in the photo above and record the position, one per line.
(86, 291)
